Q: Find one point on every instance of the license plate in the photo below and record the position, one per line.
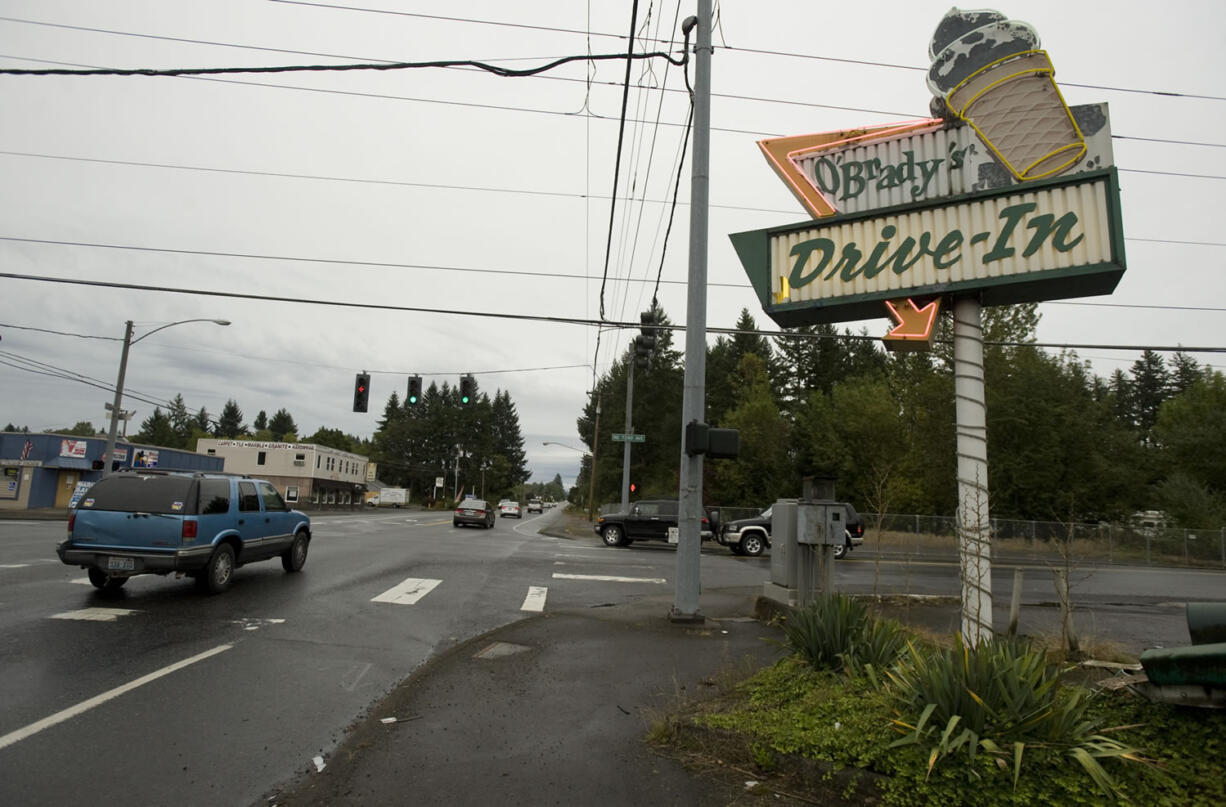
(121, 564)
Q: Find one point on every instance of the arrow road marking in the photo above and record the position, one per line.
(535, 601)
(407, 592)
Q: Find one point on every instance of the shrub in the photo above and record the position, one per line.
(1002, 692)
(837, 633)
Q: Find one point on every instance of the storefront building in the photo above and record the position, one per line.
(39, 471)
(306, 474)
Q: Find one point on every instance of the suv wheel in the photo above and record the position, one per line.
(216, 576)
(752, 545)
(612, 536)
(294, 558)
(840, 551)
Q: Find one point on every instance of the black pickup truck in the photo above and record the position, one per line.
(750, 536)
(647, 520)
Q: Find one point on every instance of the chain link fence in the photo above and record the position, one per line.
(1011, 538)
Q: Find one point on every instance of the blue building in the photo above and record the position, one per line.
(46, 470)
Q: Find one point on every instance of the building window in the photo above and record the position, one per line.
(291, 493)
(259, 458)
(212, 452)
(300, 460)
(318, 459)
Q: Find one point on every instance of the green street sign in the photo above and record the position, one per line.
(629, 438)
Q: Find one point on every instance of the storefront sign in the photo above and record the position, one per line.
(75, 449)
(1058, 238)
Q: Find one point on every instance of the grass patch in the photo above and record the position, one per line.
(830, 734)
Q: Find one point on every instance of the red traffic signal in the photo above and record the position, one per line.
(361, 392)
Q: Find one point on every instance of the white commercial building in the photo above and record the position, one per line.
(305, 473)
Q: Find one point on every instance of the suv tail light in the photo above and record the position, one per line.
(72, 519)
(189, 531)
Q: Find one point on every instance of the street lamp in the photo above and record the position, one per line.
(128, 341)
(591, 495)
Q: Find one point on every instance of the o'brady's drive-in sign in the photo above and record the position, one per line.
(1009, 194)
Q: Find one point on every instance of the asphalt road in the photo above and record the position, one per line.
(161, 695)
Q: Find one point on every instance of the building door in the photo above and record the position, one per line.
(64, 487)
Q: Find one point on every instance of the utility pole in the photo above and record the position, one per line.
(629, 430)
(591, 482)
(688, 586)
(115, 407)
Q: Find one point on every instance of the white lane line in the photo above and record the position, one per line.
(608, 578)
(98, 700)
(535, 601)
(13, 565)
(81, 581)
(95, 614)
(407, 592)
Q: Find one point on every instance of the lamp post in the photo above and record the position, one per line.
(128, 341)
(592, 486)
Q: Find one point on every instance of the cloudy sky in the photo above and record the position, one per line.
(410, 195)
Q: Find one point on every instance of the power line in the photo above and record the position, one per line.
(473, 270)
(552, 319)
(760, 51)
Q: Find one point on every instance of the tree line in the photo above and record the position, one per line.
(1063, 443)
(475, 447)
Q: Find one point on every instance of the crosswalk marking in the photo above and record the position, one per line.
(608, 578)
(95, 614)
(407, 592)
(535, 601)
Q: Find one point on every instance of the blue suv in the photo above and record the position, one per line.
(204, 525)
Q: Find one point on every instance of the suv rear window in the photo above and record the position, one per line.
(138, 493)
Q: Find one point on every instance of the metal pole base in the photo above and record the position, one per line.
(682, 618)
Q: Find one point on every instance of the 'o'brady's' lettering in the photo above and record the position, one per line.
(853, 177)
(820, 258)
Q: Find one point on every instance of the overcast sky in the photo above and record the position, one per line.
(451, 189)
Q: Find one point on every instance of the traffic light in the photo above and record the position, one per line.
(634, 488)
(361, 392)
(645, 342)
(468, 389)
(414, 390)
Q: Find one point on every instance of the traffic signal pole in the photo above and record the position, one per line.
(688, 585)
(629, 430)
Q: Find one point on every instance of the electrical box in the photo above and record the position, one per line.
(819, 523)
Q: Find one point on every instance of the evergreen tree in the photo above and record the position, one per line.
(203, 423)
(157, 430)
(230, 424)
(182, 421)
(763, 471)
(1151, 385)
(1185, 372)
(261, 422)
(282, 426)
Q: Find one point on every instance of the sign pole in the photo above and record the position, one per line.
(974, 522)
(689, 542)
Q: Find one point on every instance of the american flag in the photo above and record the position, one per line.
(25, 452)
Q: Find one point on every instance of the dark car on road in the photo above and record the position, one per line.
(646, 520)
(473, 511)
(751, 536)
(199, 524)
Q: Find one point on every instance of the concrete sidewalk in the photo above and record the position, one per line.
(549, 710)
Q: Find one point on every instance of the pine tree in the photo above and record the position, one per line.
(230, 424)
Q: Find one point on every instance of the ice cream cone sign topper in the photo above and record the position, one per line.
(1006, 194)
(988, 72)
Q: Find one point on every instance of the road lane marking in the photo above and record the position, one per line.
(535, 601)
(84, 706)
(608, 578)
(13, 565)
(96, 614)
(407, 592)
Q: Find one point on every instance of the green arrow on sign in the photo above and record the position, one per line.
(629, 438)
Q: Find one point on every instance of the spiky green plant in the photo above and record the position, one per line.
(836, 632)
(1002, 692)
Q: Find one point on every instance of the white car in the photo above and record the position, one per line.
(507, 508)
(535, 506)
